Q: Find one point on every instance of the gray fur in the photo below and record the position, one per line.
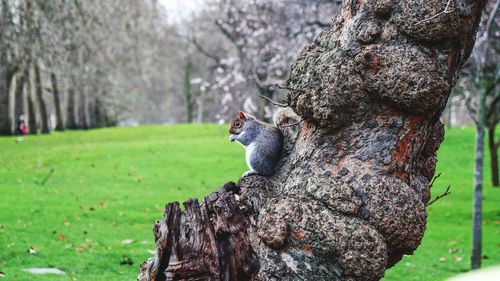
(263, 144)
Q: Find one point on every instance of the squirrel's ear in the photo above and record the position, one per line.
(242, 115)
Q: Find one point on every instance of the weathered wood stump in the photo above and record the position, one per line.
(348, 200)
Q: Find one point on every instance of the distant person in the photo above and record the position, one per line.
(22, 128)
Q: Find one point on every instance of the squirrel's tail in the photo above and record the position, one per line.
(288, 122)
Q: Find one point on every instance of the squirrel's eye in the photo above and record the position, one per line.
(237, 124)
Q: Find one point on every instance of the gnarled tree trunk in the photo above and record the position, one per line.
(348, 200)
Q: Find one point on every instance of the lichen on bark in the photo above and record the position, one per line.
(348, 200)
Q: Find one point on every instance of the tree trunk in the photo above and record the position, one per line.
(495, 180)
(188, 91)
(349, 198)
(71, 110)
(82, 113)
(5, 119)
(199, 109)
(477, 211)
(99, 114)
(32, 124)
(41, 102)
(19, 94)
(57, 103)
(5, 114)
(477, 201)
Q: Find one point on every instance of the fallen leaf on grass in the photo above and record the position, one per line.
(80, 249)
(457, 258)
(31, 251)
(455, 250)
(2, 274)
(44, 271)
(442, 259)
(127, 241)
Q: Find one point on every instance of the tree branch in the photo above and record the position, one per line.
(445, 11)
(434, 179)
(293, 124)
(446, 192)
(274, 102)
(204, 51)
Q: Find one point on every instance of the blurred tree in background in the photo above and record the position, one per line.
(83, 64)
(87, 64)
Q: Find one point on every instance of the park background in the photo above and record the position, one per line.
(84, 201)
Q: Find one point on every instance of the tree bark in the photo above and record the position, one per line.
(41, 102)
(348, 199)
(477, 201)
(82, 113)
(6, 76)
(32, 124)
(493, 147)
(477, 204)
(188, 93)
(19, 94)
(100, 119)
(57, 103)
(71, 110)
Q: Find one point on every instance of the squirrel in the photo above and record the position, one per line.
(263, 143)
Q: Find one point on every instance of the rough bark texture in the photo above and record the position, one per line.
(348, 200)
(204, 242)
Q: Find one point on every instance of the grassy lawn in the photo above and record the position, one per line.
(93, 216)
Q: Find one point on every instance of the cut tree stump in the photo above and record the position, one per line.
(348, 200)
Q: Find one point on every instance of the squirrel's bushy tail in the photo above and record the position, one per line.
(288, 122)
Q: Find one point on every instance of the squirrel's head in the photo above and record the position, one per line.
(238, 123)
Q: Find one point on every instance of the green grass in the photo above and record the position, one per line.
(110, 185)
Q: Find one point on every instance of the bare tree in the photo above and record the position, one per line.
(249, 47)
(481, 82)
(349, 198)
(480, 85)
